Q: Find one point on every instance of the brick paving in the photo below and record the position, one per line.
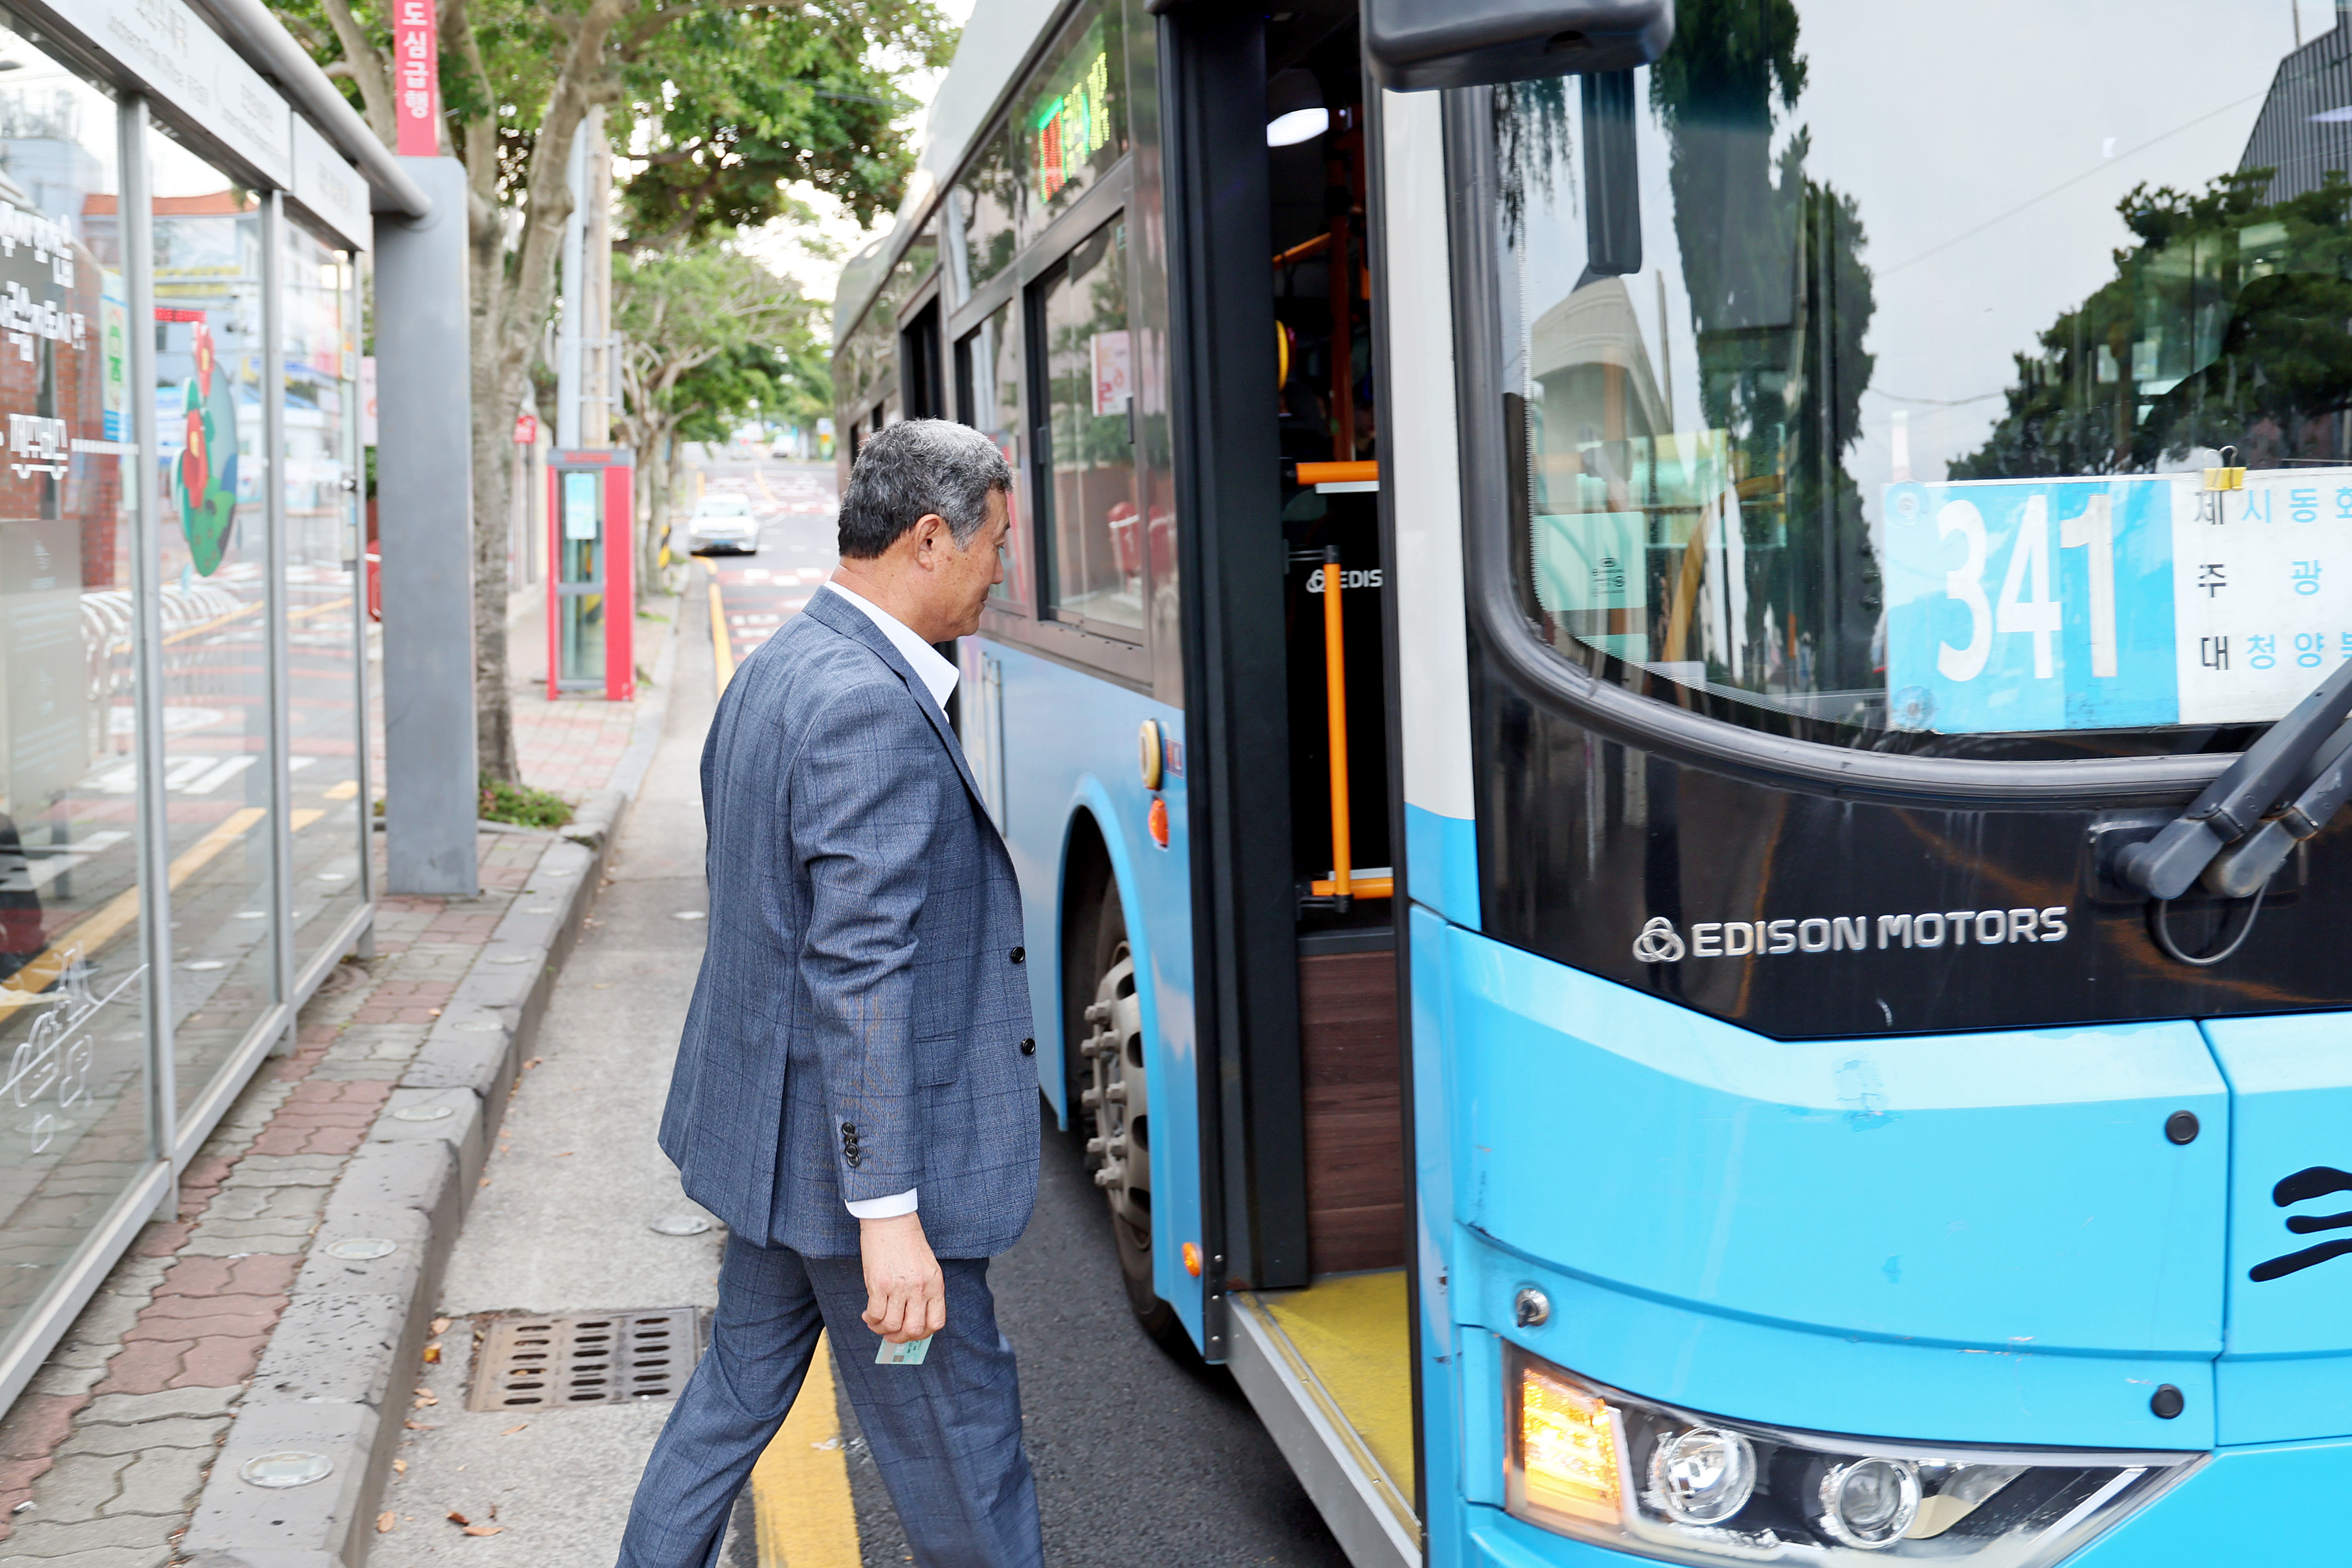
(567, 745)
(104, 1455)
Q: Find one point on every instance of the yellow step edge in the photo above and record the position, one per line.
(1348, 1338)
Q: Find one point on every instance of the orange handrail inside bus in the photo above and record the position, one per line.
(1339, 473)
(1302, 251)
(1334, 697)
(1343, 883)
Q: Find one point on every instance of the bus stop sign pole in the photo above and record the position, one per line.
(424, 508)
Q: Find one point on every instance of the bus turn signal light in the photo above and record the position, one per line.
(1566, 1449)
(1155, 821)
(1192, 1258)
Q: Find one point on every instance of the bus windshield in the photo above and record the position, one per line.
(1867, 369)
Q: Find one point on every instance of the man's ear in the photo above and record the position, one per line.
(930, 530)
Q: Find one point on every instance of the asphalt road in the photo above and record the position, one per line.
(1143, 1458)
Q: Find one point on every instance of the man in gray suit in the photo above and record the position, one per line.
(855, 1093)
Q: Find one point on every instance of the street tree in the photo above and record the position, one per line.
(704, 328)
(723, 103)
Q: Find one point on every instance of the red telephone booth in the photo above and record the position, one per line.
(592, 601)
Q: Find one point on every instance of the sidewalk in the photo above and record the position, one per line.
(103, 1459)
(568, 744)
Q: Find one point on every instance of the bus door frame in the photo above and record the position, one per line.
(1226, 413)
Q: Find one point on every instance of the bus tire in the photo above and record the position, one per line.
(1114, 1101)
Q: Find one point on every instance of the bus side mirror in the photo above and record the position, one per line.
(1419, 43)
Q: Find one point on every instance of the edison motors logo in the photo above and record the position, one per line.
(1659, 942)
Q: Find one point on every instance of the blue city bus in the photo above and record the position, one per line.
(1669, 867)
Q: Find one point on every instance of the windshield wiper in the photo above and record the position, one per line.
(2240, 870)
(2253, 788)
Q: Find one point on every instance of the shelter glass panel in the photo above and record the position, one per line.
(1093, 537)
(212, 563)
(321, 587)
(73, 988)
(1833, 418)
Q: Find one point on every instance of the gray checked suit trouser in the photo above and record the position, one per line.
(861, 1025)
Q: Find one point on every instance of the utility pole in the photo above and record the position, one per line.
(597, 396)
(569, 333)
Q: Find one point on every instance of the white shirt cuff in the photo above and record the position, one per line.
(890, 1207)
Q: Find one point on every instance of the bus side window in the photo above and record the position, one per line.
(919, 361)
(988, 398)
(1091, 539)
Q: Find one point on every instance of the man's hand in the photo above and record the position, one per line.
(906, 1299)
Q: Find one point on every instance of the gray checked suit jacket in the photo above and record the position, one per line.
(859, 1023)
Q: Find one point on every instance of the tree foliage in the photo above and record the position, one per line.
(706, 335)
(2228, 323)
(723, 99)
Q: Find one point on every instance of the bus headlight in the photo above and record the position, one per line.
(1591, 1462)
(1703, 1475)
(1869, 1503)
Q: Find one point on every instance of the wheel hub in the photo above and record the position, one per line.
(1118, 1096)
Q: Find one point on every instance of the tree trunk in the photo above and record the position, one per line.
(672, 461)
(501, 350)
(657, 494)
(493, 502)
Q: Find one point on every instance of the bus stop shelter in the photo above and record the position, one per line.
(192, 223)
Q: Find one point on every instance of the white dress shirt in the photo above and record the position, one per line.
(939, 676)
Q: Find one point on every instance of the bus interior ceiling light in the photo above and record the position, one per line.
(1610, 1468)
(1298, 125)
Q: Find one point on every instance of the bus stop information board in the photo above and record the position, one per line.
(2105, 603)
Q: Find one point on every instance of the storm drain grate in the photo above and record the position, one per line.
(587, 1358)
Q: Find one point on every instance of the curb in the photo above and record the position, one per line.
(333, 1379)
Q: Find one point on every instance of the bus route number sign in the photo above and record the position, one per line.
(2018, 605)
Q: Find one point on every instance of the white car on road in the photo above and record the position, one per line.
(723, 522)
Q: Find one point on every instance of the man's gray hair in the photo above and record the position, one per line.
(914, 467)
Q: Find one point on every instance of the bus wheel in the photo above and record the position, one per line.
(1119, 1111)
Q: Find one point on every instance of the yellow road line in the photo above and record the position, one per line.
(249, 607)
(722, 656)
(108, 919)
(799, 1487)
(759, 478)
(344, 791)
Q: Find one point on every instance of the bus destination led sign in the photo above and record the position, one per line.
(1071, 127)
